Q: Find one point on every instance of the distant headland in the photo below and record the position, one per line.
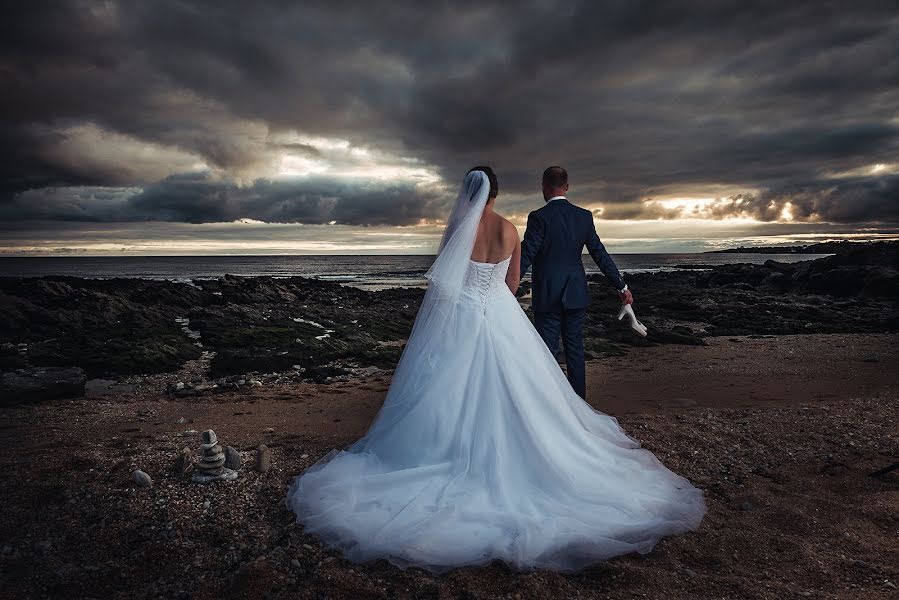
(819, 248)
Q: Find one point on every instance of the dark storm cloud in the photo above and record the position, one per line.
(637, 99)
(313, 201)
(195, 198)
(848, 200)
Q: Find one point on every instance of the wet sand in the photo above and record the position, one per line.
(748, 371)
(740, 372)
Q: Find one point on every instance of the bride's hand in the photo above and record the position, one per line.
(626, 296)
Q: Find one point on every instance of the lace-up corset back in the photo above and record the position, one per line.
(484, 280)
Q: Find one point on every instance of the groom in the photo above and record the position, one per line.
(553, 241)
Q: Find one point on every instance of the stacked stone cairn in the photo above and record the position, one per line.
(211, 466)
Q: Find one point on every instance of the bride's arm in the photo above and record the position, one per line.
(513, 276)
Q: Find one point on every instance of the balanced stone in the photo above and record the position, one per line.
(211, 464)
(209, 477)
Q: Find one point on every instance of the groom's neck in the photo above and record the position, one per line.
(549, 194)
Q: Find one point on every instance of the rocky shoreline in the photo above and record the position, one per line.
(211, 336)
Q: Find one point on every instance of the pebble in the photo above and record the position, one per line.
(889, 584)
(141, 479)
(263, 458)
(688, 572)
(209, 437)
(295, 563)
(206, 504)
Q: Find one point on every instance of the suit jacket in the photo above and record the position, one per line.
(555, 237)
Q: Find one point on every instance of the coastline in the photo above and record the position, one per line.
(205, 337)
(774, 388)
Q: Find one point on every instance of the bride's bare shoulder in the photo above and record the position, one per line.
(509, 228)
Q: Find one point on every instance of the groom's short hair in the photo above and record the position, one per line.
(491, 176)
(555, 176)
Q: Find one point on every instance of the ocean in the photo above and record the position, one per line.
(363, 271)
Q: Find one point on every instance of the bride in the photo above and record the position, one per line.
(482, 450)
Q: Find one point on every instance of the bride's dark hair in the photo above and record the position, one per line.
(494, 185)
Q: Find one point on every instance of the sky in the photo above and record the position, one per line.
(176, 127)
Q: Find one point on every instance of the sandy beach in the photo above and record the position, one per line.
(781, 445)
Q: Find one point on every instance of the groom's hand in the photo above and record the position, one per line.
(626, 296)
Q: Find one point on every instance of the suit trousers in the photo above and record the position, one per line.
(569, 323)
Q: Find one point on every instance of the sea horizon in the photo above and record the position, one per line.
(366, 271)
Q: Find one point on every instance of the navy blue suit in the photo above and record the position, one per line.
(555, 237)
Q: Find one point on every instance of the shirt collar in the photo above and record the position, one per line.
(556, 198)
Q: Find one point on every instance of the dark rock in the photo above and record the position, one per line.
(186, 392)
(783, 268)
(870, 270)
(776, 282)
(106, 327)
(881, 282)
(41, 383)
(184, 461)
(841, 281)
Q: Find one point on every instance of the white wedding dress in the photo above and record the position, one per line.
(483, 451)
